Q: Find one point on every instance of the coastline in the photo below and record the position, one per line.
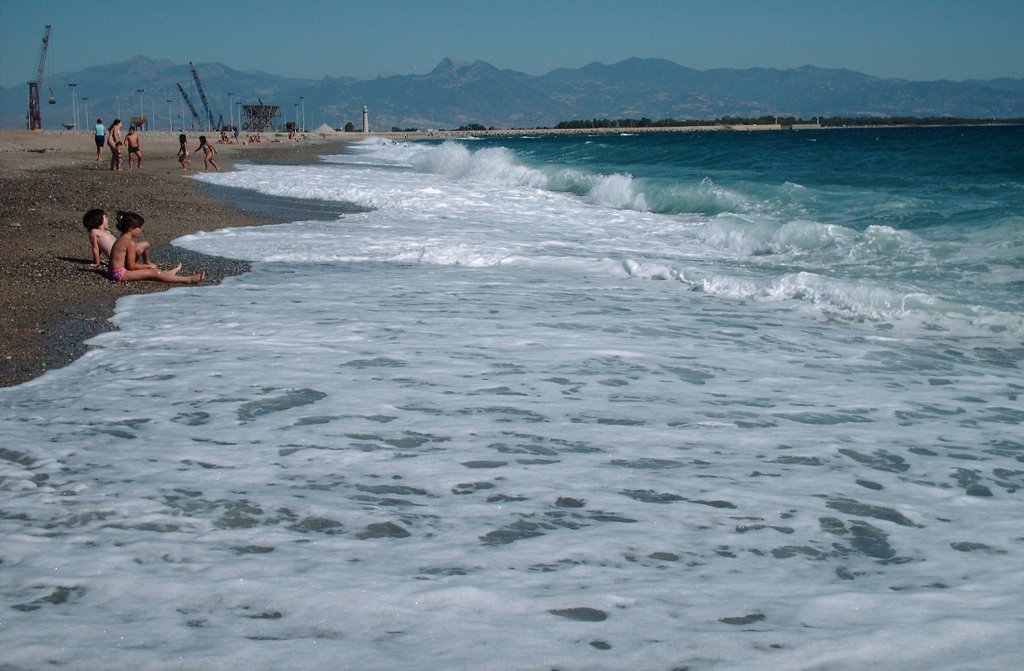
(52, 301)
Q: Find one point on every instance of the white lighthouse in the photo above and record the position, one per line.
(366, 120)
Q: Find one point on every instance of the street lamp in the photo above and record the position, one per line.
(85, 100)
(142, 110)
(302, 100)
(231, 110)
(170, 119)
(74, 105)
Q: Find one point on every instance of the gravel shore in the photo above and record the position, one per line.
(52, 301)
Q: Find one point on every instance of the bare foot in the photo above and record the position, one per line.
(199, 277)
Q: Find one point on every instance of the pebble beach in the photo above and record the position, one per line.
(52, 300)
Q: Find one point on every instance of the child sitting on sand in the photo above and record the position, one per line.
(123, 264)
(101, 240)
(208, 152)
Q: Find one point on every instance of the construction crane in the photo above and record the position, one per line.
(35, 117)
(202, 95)
(191, 107)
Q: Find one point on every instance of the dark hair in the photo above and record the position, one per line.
(93, 219)
(129, 220)
(116, 121)
(202, 139)
(99, 120)
(182, 138)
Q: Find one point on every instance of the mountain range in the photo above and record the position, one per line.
(457, 93)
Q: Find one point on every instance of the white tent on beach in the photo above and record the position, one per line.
(324, 129)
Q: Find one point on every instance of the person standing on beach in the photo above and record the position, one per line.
(124, 266)
(183, 152)
(208, 153)
(101, 138)
(113, 140)
(134, 148)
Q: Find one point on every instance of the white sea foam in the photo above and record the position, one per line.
(511, 214)
(465, 431)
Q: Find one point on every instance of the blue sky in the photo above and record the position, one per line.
(908, 39)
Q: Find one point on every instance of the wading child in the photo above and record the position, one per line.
(123, 264)
(101, 240)
(208, 153)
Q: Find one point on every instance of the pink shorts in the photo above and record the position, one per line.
(116, 274)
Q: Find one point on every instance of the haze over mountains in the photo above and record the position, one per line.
(457, 93)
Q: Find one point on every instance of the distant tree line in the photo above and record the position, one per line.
(834, 122)
(784, 121)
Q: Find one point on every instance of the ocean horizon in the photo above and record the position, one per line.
(664, 401)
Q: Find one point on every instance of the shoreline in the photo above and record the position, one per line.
(52, 301)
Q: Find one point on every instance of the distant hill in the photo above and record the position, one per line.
(457, 93)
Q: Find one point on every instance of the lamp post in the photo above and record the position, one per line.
(296, 116)
(231, 110)
(85, 101)
(142, 110)
(170, 119)
(302, 101)
(74, 105)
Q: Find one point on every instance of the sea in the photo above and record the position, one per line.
(653, 401)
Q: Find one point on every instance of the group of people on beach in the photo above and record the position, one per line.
(127, 255)
(111, 137)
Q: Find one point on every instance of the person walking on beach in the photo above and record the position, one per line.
(134, 148)
(183, 152)
(208, 153)
(113, 140)
(123, 264)
(101, 240)
(101, 138)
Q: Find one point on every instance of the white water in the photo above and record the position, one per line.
(469, 430)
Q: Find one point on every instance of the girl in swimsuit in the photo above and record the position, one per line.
(101, 240)
(123, 264)
(183, 152)
(208, 153)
